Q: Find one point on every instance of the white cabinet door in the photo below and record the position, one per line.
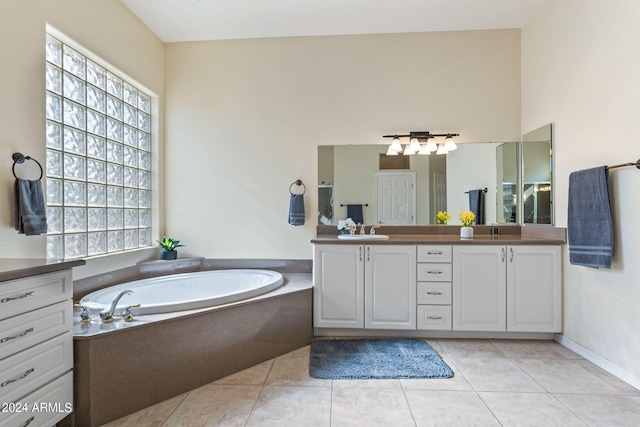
(390, 287)
(479, 288)
(534, 289)
(338, 293)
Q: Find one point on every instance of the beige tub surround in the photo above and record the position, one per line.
(122, 367)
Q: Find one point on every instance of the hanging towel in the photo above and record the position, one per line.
(476, 204)
(296, 209)
(590, 225)
(29, 211)
(355, 213)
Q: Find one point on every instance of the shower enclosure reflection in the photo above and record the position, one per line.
(537, 176)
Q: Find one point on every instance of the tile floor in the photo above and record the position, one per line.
(496, 383)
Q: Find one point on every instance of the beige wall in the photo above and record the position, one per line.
(108, 30)
(581, 70)
(245, 117)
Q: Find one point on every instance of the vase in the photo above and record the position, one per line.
(167, 255)
(466, 232)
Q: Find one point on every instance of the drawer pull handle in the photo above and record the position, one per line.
(29, 421)
(18, 378)
(434, 317)
(28, 294)
(434, 293)
(5, 339)
(434, 272)
(434, 253)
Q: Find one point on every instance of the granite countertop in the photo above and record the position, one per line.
(431, 239)
(18, 268)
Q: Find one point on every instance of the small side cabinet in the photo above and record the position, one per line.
(36, 349)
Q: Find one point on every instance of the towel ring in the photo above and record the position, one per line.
(20, 158)
(297, 182)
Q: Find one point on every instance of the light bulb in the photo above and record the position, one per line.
(424, 150)
(395, 145)
(450, 144)
(431, 145)
(441, 149)
(414, 145)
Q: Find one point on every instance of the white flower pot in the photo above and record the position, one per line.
(466, 232)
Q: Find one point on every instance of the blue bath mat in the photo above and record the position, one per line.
(375, 358)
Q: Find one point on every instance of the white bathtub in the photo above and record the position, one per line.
(186, 291)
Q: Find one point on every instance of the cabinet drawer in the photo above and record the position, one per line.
(434, 272)
(26, 330)
(434, 317)
(434, 253)
(22, 295)
(24, 372)
(438, 293)
(28, 411)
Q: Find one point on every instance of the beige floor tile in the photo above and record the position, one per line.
(469, 348)
(293, 369)
(449, 408)
(532, 349)
(153, 416)
(530, 409)
(292, 406)
(374, 383)
(497, 374)
(615, 382)
(256, 375)
(604, 411)
(564, 376)
(370, 407)
(215, 405)
(457, 382)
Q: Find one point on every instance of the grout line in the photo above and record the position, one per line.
(176, 408)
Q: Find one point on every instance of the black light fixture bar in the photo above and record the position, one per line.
(422, 135)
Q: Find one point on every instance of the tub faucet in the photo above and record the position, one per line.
(107, 314)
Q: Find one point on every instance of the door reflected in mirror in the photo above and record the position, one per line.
(537, 176)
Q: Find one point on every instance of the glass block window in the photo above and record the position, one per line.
(98, 158)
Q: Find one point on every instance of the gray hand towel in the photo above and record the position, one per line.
(476, 205)
(590, 225)
(30, 212)
(296, 209)
(355, 213)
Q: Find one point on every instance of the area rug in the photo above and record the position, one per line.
(375, 358)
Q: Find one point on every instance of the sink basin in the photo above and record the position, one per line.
(362, 237)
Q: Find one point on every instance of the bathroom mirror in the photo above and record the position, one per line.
(537, 176)
(349, 174)
(507, 183)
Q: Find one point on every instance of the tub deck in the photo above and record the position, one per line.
(122, 367)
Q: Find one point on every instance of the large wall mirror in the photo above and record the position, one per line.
(352, 175)
(537, 176)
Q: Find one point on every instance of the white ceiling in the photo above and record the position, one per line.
(191, 20)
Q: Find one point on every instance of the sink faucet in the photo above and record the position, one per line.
(107, 314)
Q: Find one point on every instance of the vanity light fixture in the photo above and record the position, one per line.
(416, 138)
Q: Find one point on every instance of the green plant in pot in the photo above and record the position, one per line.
(169, 246)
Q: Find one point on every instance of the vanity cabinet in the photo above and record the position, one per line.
(507, 288)
(365, 286)
(36, 349)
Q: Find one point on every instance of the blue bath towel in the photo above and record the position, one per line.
(590, 225)
(29, 211)
(355, 213)
(296, 209)
(476, 204)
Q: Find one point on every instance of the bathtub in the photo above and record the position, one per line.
(186, 291)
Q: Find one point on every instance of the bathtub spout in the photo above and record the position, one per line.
(107, 314)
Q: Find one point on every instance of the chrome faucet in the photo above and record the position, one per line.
(107, 314)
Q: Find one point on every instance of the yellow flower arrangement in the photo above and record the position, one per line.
(442, 217)
(467, 218)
